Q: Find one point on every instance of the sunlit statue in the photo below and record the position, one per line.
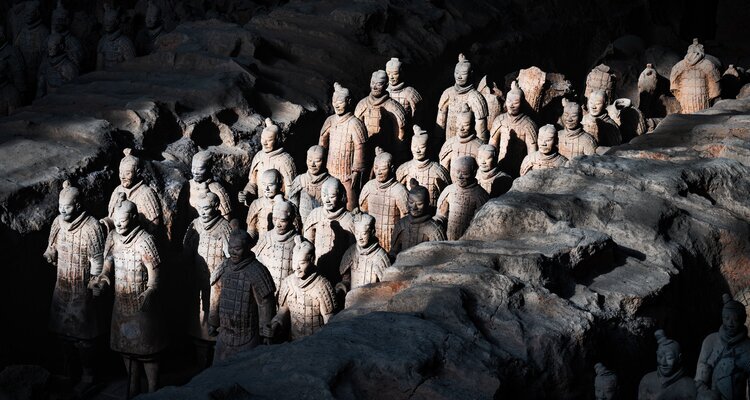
(114, 47)
(275, 248)
(131, 269)
(465, 143)
(724, 361)
(259, 214)
(453, 99)
(547, 155)
(669, 381)
(407, 96)
(366, 260)
(76, 247)
(601, 78)
(205, 246)
(513, 133)
(138, 192)
(247, 302)
(203, 182)
(573, 141)
(598, 123)
(489, 176)
(384, 198)
(306, 299)
(384, 118)
(694, 80)
(460, 201)
(272, 156)
(306, 188)
(418, 226)
(345, 137)
(426, 172)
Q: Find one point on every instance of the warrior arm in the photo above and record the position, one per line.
(443, 207)
(128, 50)
(445, 155)
(266, 311)
(359, 138)
(225, 204)
(328, 305)
(50, 254)
(442, 114)
(530, 138)
(526, 165)
(402, 200)
(96, 249)
(704, 369)
(396, 239)
(252, 219)
(363, 205)
(325, 133)
(345, 268)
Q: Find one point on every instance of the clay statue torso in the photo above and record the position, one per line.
(115, 48)
(407, 96)
(332, 234)
(275, 252)
(386, 202)
(728, 361)
(537, 160)
(308, 300)
(655, 387)
(450, 105)
(494, 182)
(457, 206)
(199, 189)
(384, 119)
(306, 192)
(364, 265)
(72, 312)
(145, 199)
(429, 174)
(277, 159)
(344, 137)
(575, 143)
(603, 129)
(514, 137)
(457, 147)
(695, 85)
(410, 231)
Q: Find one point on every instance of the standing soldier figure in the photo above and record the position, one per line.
(695, 81)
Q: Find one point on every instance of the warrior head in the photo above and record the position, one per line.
(239, 244)
(201, 166)
(32, 12)
(60, 18)
(605, 383)
(111, 20)
(283, 215)
(487, 157)
(341, 99)
(125, 216)
(269, 138)
(378, 83)
(465, 121)
(419, 199)
(695, 52)
(364, 230)
(69, 204)
(393, 69)
(303, 259)
(733, 316)
(55, 45)
(130, 169)
(572, 116)
(514, 99)
(333, 195)
(208, 207)
(419, 143)
(153, 16)
(667, 354)
(383, 165)
(462, 72)
(464, 171)
(597, 103)
(270, 182)
(316, 160)
(547, 139)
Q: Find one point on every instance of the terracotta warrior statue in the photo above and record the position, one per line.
(493, 96)
(605, 383)
(426, 172)
(247, 302)
(203, 182)
(131, 268)
(56, 69)
(275, 247)
(418, 226)
(12, 73)
(601, 78)
(10, 97)
(573, 140)
(306, 299)
(407, 96)
(330, 228)
(345, 136)
(142, 195)
(724, 361)
(204, 245)
(306, 188)
(154, 28)
(460, 201)
(547, 155)
(465, 143)
(384, 118)
(453, 99)
(259, 214)
(32, 42)
(694, 80)
(75, 247)
(114, 47)
(513, 133)
(384, 199)
(61, 26)
(598, 122)
(366, 260)
(669, 381)
(273, 156)
(494, 181)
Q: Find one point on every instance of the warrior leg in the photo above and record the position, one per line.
(151, 367)
(87, 355)
(133, 367)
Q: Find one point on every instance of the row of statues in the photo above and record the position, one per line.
(35, 60)
(370, 191)
(722, 371)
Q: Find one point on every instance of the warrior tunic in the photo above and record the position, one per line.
(410, 231)
(147, 202)
(198, 189)
(275, 251)
(345, 137)
(575, 143)
(311, 301)
(277, 159)
(332, 234)
(361, 266)
(450, 104)
(537, 160)
(387, 203)
(494, 182)
(429, 174)
(456, 147)
(514, 137)
(457, 206)
(306, 192)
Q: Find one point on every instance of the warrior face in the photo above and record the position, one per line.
(69, 208)
(486, 160)
(382, 170)
(332, 196)
(463, 122)
(667, 361)
(463, 172)
(513, 104)
(282, 221)
(124, 220)
(417, 204)
(340, 104)
(128, 175)
(32, 12)
(303, 263)
(571, 118)
(393, 76)
(732, 322)
(597, 103)
(316, 160)
(208, 208)
(378, 83)
(461, 74)
(238, 249)
(419, 149)
(110, 22)
(364, 232)
(547, 141)
(54, 45)
(268, 141)
(271, 184)
(605, 392)
(153, 17)
(199, 169)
